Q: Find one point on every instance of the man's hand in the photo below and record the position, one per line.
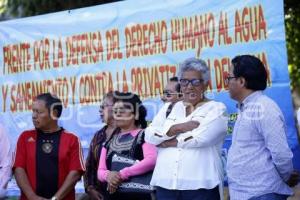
(113, 181)
(94, 194)
(293, 180)
(169, 143)
(182, 128)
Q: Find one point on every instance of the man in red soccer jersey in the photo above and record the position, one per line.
(48, 160)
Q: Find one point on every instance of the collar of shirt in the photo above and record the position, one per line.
(132, 132)
(250, 98)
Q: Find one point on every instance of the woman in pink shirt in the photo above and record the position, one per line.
(128, 139)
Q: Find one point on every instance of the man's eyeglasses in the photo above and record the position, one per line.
(169, 94)
(194, 82)
(228, 78)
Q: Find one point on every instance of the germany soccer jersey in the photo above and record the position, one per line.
(47, 159)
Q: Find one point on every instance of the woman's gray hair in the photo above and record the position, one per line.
(196, 65)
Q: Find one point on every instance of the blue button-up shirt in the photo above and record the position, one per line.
(259, 159)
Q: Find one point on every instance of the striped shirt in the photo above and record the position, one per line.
(259, 159)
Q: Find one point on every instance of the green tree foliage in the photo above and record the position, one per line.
(2, 5)
(25, 8)
(292, 26)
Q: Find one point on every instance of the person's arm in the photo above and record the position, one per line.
(272, 127)
(23, 183)
(19, 168)
(102, 168)
(90, 164)
(143, 166)
(211, 131)
(153, 133)
(180, 128)
(212, 134)
(5, 160)
(76, 169)
(90, 175)
(113, 178)
(68, 184)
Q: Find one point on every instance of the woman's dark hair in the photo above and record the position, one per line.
(175, 79)
(52, 103)
(252, 70)
(134, 102)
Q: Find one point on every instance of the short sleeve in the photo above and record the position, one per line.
(20, 153)
(76, 160)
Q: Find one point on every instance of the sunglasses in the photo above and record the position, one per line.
(194, 82)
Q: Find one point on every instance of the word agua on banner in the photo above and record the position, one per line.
(201, 31)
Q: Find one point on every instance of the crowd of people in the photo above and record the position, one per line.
(180, 148)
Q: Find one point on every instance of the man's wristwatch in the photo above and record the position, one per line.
(54, 198)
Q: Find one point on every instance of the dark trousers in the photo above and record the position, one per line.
(129, 196)
(201, 194)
